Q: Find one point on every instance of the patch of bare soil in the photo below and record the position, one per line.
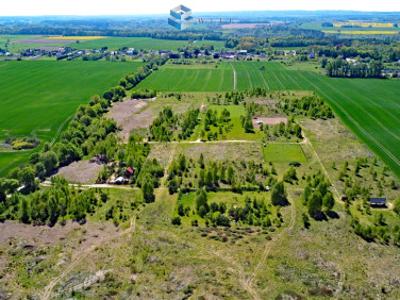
(268, 102)
(129, 115)
(84, 172)
(29, 236)
(257, 121)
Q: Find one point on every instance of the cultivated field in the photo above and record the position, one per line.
(141, 43)
(192, 78)
(19, 42)
(368, 106)
(37, 98)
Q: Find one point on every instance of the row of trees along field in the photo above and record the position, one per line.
(340, 67)
(377, 52)
(89, 133)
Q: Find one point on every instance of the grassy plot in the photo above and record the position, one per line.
(38, 97)
(284, 153)
(8, 160)
(234, 129)
(198, 78)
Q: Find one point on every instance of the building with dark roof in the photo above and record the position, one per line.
(377, 202)
(180, 17)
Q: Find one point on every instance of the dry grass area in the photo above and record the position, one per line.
(30, 255)
(328, 260)
(333, 141)
(224, 151)
(28, 236)
(84, 172)
(235, 151)
(335, 145)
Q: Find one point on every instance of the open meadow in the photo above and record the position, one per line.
(367, 106)
(37, 98)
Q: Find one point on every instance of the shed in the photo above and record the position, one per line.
(377, 202)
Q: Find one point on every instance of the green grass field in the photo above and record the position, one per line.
(284, 153)
(20, 42)
(38, 97)
(192, 78)
(115, 43)
(370, 107)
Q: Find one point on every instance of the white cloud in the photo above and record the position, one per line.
(132, 7)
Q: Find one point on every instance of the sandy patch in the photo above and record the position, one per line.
(129, 115)
(257, 121)
(83, 171)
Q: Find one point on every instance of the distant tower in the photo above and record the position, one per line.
(180, 17)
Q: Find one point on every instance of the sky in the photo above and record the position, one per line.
(135, 7)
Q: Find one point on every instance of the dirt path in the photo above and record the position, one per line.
(308, 142)
(81, 255)
(243, 278)
(94, 186)
(268, 247)
(168, 165)
(234, 78)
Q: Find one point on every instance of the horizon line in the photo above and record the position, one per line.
(204, 12)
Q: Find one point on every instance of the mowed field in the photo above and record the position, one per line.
(370, 107)
(37, 97)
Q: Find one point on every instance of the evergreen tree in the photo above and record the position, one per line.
(328, 201)
(315, 205)
(23, 214)
(148, 191)
(201, 161)
(278, 195)
(202, 207)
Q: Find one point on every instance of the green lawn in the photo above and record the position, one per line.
(370, 107)
(284, 153)
(37, 97)
(237, 132)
